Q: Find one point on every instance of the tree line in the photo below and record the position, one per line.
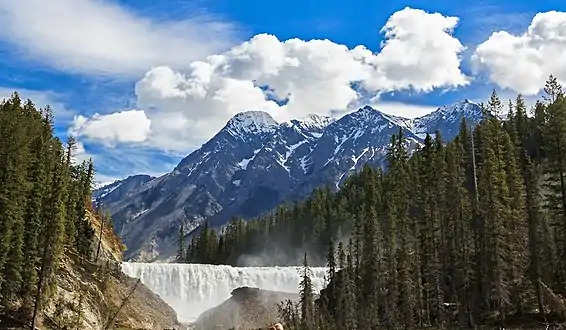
(463, 233)
(44, 198)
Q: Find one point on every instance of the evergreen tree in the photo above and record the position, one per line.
(553, 90)
(73, 195)
(12, 193)
(38, 173)
(40, 202)
(459, 221)
(84, 236)
(181, 245)
(554, 138)
(307, 297)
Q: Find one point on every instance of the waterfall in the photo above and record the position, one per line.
(191, 289)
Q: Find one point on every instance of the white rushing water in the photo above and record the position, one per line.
(191, 289)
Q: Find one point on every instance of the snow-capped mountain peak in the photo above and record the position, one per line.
(254, 164)
(251, 122)
(447, 119)
(311, 123)
(465, 107)
(369, 114)
(316, 121)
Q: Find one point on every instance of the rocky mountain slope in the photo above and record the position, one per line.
(88, 295)
(122, 188)
(253, 164)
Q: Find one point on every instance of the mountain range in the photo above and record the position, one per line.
(254, 164)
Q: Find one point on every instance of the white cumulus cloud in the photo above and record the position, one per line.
(187, 107)
(524, 62)
(420, 51)
(100, 37)
(125, 126)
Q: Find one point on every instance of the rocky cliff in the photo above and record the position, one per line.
(89, 295)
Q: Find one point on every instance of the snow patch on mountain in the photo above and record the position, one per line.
(110, 188)
(292, 148)
(244, 162)
(305, 162)
(355, 159)
(202, 159)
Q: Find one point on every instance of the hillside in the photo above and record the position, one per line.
(88, 295)
(254, 164)
(55, 273)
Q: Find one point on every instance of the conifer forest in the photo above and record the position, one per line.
(44, 198)
(460, 234)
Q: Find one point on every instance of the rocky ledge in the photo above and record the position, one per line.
(247, 308)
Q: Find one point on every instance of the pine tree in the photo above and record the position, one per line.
(307, 296)
(73, 194)
(516, 225)
(494, 209)
(181, 257)
(84, 236)
(13, 190)
(432, 173)
(331, 264)
(345, 317)
(554, 138)
(369, 272)
(38, 188)
(459, 221)
(553, 89)
(53, 233)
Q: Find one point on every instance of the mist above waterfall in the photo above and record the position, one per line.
(191, 289)
(279, 254)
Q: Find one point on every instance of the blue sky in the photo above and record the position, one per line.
(122, 78)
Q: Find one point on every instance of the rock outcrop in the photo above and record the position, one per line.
(247, 308)
(90, 295)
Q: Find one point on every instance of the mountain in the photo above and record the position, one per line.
(118, 190)
(447, 119)
(255, 163)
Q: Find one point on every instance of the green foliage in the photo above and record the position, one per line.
(181, 257)
(460, 234)
(307, 296)
(43, 202)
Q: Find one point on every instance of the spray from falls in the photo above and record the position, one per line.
(191, 289)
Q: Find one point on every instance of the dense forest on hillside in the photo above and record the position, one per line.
(44, 197)
(462, 233)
